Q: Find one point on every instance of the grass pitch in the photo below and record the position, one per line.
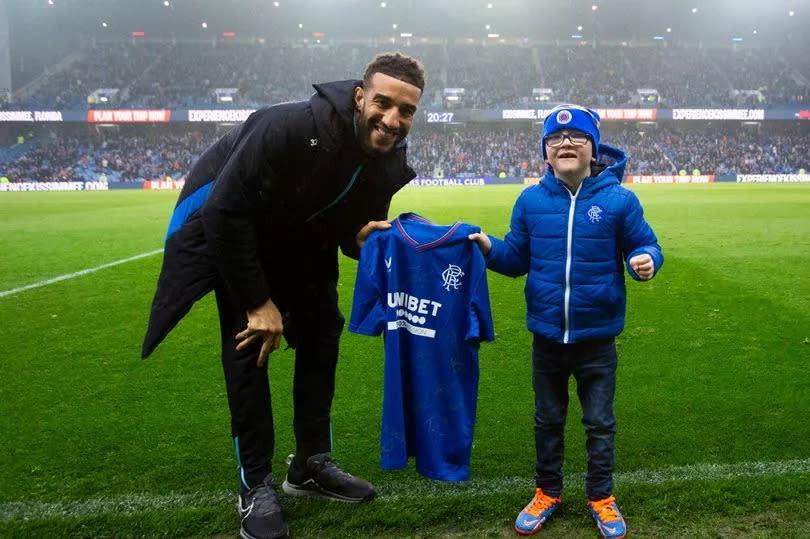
(712, 399)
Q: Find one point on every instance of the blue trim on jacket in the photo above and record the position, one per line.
(189, 205)
(608, 229)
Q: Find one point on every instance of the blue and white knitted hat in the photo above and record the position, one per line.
(572, 117)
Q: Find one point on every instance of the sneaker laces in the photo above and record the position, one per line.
(606, 509)
(264, 495)
(330, 464)
(540, 503)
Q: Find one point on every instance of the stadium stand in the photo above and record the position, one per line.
(186, 74)
(124, 157)
(174, 74)
(139, 153)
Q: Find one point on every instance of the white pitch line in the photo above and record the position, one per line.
(76, 274)
(390, 491)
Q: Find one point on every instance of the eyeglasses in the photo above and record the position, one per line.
(577, 139)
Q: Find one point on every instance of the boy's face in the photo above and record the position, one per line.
(569, 160)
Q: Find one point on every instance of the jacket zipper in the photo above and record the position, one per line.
(568, 261)
(340, 196)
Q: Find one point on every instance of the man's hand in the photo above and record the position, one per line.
(370, 227)
(643, 266)
(264, 322)
(483, 242)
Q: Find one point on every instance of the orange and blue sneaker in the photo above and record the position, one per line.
(608, 519)
(536, 513)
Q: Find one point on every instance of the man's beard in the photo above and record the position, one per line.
(363, 132)
(364, 128)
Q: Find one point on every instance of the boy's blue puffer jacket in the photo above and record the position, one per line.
(574, 249)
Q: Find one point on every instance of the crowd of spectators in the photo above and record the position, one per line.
(487, 152)
(740, 151)
(494, 74)
(110, 157)
(110, 65)
(52, 161)
(432, 152)
(516, 152)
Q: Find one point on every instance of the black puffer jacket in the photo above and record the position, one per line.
(265, 208)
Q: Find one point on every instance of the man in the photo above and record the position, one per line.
(259, 221)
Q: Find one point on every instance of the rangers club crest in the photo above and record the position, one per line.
(563, 117)
(452, 277)
(595, 214)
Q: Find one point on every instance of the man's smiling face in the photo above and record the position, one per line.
(386, 109)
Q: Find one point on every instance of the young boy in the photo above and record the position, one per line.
(571, 233)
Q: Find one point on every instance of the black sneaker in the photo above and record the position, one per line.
(260, 512)
(323, 478)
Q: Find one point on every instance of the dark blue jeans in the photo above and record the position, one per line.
(593, 365)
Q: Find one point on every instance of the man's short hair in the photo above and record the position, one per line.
(397, 65)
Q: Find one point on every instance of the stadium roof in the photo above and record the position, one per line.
(709, 21)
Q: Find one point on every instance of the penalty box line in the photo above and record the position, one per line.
(13, 291)
(392, 491)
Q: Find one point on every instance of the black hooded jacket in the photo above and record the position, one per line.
(290, 185)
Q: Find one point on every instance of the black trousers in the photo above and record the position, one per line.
(313, 324)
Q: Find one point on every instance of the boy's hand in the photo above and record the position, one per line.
(483, 242)
(643, 266)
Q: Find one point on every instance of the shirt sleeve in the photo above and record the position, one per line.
(479, 324)
(368, 311)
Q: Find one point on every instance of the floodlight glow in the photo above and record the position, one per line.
(579, 28)
(489, 6)
(694, 10)
(166, 3)
(300, 25)
(755, 32)
(50, 2)
(406, 34)
(791, 13)
(669, 30)
(204, 24)
(275, 4)
(486, 27)
(594, 7)
(104, 25)
(394, 26)
(383, 4)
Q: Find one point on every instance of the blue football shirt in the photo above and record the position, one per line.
(425, 285)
